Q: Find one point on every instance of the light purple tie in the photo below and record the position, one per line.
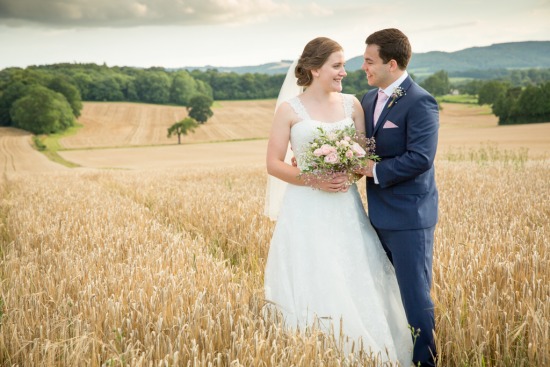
(382, 98)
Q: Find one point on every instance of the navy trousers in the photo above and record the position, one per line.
(411, 252)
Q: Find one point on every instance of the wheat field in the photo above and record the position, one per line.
(165, 268)
(161, 264)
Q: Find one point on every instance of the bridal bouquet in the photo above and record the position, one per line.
(337, 151)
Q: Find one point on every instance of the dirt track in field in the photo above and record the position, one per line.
(17, 154)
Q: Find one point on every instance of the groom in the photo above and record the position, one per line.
(401, 191)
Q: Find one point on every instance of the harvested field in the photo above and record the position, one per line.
(208, 155)
(17, 154)
(108, 124)
(470, 126)
(463, 127)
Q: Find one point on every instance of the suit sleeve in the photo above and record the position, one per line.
(421, 144)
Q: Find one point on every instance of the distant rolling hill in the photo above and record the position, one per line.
(512, 55)
(271, 68)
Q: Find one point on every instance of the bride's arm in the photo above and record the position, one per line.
(277, 147)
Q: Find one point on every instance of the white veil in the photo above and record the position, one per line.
(275, 189)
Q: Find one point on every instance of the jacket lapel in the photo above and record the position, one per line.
(405, 85)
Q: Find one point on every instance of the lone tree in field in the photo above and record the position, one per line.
(182, 127)
(199, 108)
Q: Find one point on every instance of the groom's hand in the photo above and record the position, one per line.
(365, 170)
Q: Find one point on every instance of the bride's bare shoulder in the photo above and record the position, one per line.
(285, 112)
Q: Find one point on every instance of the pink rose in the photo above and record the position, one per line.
(358, 150)
(332, 158)
(344, 143)
(318, 152)
(349, 154)
(327, 149)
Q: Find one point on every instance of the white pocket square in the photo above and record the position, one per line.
(389, 125)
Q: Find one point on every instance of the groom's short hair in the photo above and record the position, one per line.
(392, 44)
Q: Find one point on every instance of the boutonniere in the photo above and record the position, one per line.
(397, 93)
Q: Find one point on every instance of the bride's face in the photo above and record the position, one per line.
(332, 72)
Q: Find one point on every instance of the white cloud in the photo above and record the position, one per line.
(128, 13)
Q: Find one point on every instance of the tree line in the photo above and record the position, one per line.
(517, 105)
(521, 97)
(48, 98)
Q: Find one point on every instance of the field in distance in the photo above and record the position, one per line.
(133, 136)
(128, 125)
(110, 124)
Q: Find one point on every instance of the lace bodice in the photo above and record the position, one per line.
(303, 132)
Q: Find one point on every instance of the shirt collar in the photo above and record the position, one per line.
(389, 90)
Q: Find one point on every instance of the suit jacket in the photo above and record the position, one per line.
(406, 141)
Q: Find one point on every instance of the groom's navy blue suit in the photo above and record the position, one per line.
(403, 205)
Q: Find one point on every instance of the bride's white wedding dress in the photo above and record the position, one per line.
(326, 263)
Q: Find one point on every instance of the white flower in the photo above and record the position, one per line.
(397, 93)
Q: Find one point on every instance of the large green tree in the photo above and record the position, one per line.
(183, 88)
(182, 128)
(204, 88)
(533, 104)
(521, 106)
(153, 86)
(437, 84)
(199, 108)
(14, 84)
(490, 91)
(42, 111)
(12, 93)
(505, 105)
(69, 90)
(104, 87)
(470, 87)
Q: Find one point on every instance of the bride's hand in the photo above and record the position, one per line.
(337, 183)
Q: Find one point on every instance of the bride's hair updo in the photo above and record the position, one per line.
(315, 54)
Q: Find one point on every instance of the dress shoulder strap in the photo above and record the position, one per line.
(348, 104)
(299, 108)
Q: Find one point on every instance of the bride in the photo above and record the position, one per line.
(326, 265)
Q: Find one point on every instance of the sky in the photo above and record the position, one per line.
(179, 33)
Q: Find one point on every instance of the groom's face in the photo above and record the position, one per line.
(378, 73)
